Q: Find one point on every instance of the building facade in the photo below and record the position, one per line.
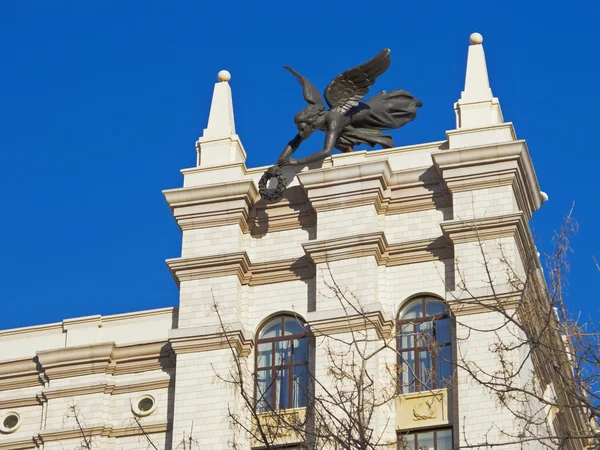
(408, 256)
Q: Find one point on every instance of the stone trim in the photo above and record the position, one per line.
(106, 430)
(193, 340)
(109, 387)
(239, 264)
(213, 205)
(376, 245)
(347, 186)
(464, 306)
(492, 227)
(473, 168)
(106, 358)
(326, 323)
(346, 247)
(19, 374)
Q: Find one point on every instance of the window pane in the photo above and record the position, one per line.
(407, 442)
(292, 326)
(413, 310)
(271, 329)
(300, 387)
(425, 371)
(283, 353)
(425, 441)
(301, 350)
(424, 334)
(263, 390)
(434, 307)
(444, 440)
(282, 391)
(444, 366)
(265, 355)
(408, 371)
(442, 331)
(406, 336)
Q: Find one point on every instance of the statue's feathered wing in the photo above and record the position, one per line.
(309, 91)
(349, 87)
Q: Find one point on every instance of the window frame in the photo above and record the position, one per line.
(435, 431)
(416, 349)
(274, 368)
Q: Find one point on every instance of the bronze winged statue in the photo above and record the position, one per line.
(349, 121)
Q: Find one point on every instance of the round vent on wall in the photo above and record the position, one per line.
(144, 405)
(10, 422)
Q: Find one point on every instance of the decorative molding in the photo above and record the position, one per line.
(201, 267)
(193, 340)
(423, 409)
(327, 323)
(106, 358)
(213, 205)
(492, 227)
(239, 264)
(106, 430)
(269, 272)
(375, 244)
(346, 247)
(473, 168)
(108, 387)
(415, 190)
(464, 304)
(292, 212)
(19, 374)
(19, 444)
(347, 186)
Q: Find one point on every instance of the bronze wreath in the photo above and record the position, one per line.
(272, 194)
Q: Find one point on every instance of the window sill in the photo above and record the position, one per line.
(423, 409)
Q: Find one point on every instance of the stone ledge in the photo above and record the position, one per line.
(204, 339)
(492, 227)
(372, 316)
(375, 244)
(481, 167)
(239, 264)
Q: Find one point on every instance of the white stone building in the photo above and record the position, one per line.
(400, 231)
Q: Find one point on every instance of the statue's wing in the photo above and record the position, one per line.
(349, 87)
(310, 92)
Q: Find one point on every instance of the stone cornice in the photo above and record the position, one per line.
(492, 227)
(106, 358)
(375, 244)
(193, 340)
(292, 212)
(19, 374)
(327, 323)
(19, 444)
(472, 168)
(108, 387)
(464, 304)
(104, 429)
(213, 205)
(418, 189)
(347, 186)
(346, 247)
(201, 267)
(239, 264)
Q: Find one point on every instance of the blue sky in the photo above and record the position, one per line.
(102, 102)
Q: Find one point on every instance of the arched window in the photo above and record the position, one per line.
(424, 345)
(281, 365)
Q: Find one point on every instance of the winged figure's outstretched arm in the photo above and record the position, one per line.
(291, 147)
(335, 125)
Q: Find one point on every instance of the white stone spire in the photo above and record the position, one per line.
(219, 144)
(477, 106)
